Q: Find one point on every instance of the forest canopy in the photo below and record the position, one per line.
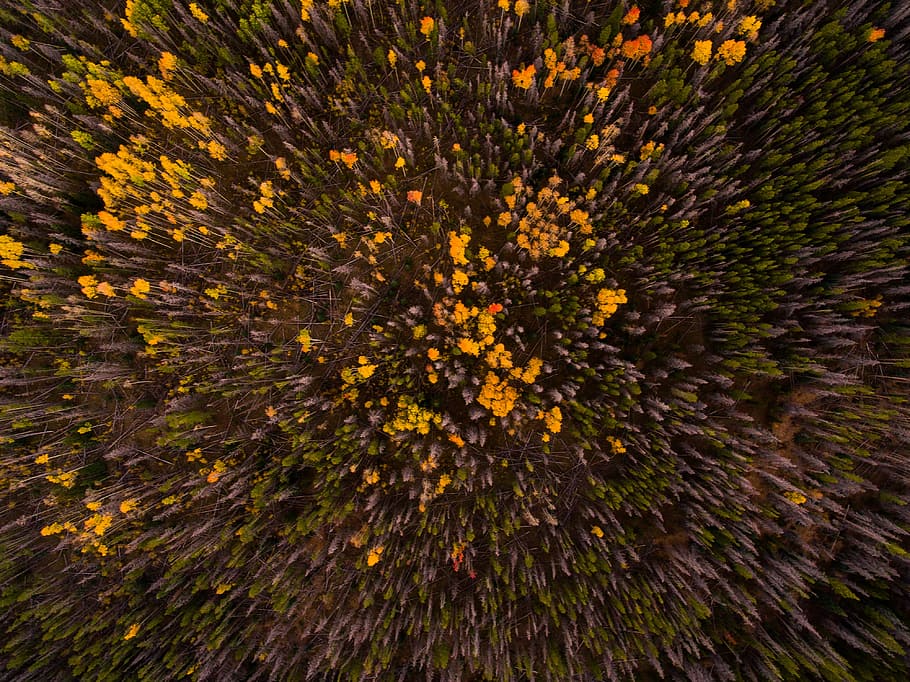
(454, 340)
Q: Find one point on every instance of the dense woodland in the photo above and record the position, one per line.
(454, 340)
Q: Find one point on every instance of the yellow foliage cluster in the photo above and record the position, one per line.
(128, 505)
(524, 78)
(91, 287)
(124, 173)
(386, 138)
(374, 555)
(198, 13)
(134, 188)
(218, 468)
(557, 68)
(543, 230)
(473, 332)
(351, 376)
(552, 418)
(348, 158)
(11, 252)
(57, 528)
(692, 18)
(101, 93)
(99, 523)
(868, 307)
(65, 478)
(457, 245)
(266, 197)
(608, 301)
(731, 51)
(749, 27)
(370, 476)
(795, 497)
(460, 280)
(166, 65)
(140, 287)
(521, 6)
(168, 104)
(499, 358)
(650, 150)
(95, 525)
(149, 336)
(480, 325)
(411, 417)
(497, 395)
(13, 68)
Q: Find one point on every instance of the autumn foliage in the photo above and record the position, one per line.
(454, 340)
